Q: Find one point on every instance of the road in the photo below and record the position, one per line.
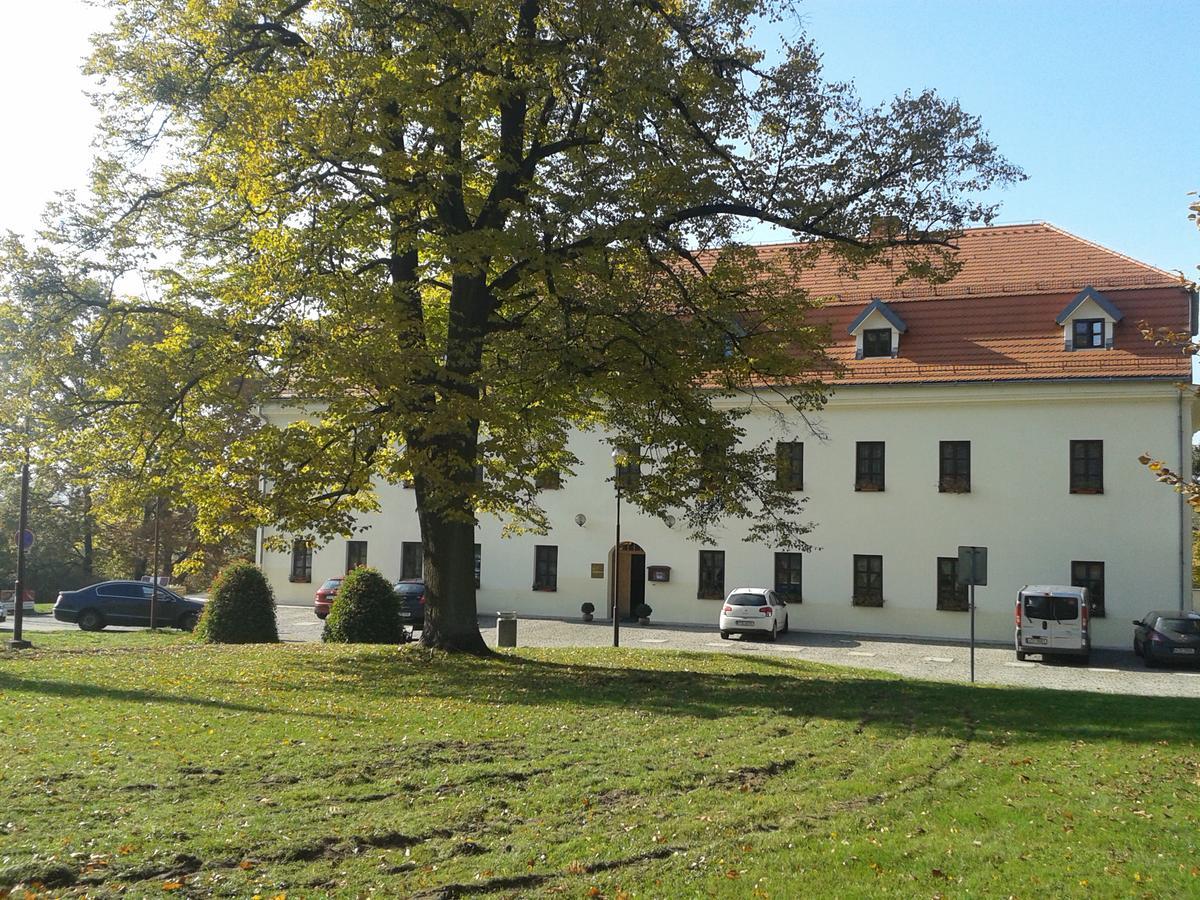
(1109, 671)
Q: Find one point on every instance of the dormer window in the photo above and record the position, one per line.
(1089, 321)
(877, 331)
(1087, 334)
(877, 342)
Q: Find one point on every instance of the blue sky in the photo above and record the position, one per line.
(1096, 101)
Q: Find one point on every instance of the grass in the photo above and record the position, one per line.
(144, 763)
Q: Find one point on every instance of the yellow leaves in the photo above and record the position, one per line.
(172, 885)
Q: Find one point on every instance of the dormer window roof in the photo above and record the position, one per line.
(1089, 321)
(878, 306)
(877, 331)
(1089, 293)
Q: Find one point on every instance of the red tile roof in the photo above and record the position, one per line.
(995, 320)
(1007, 259)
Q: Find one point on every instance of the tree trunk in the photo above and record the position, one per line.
(89, 554)
(450, 614)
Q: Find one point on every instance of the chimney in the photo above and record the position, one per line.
(884, 228)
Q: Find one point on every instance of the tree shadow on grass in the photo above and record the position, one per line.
(768, 686)
(73, 690)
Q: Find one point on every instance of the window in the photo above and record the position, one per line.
(1087, 334)
(950, 594)
(787, 575)
(868, 581)
(301, 562)
(789, 465)
(1087, 467)
(410, 560)
(868, 468)
(548, 480)
(545, 568)
(876, 342)
(954, 467)
(712, 575)
(478, 563)
(356, 554)
(1090, 575)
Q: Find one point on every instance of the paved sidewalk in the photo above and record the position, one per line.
(1108, 671)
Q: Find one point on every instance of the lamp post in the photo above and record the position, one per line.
(618, 473)
(18, 641)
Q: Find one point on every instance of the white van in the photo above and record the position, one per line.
(1052, 619)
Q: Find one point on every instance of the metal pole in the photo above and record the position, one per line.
(154, 576)
(18, 642)
(616, 599)
(972, 618)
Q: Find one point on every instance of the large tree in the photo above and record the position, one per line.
(451, 231)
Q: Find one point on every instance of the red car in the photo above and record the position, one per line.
(325, 595)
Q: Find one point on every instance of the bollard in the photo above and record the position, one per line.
(506, 628)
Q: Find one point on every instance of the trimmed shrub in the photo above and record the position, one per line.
(365, 611)
(240, 609)
(643, 611)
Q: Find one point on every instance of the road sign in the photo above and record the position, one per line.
(972, 565)
(27, 539)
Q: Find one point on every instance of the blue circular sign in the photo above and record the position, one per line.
(27, 539)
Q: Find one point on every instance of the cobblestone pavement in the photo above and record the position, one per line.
(1109, 671)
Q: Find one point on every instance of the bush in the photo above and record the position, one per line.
(365, 611)
(643, 611)
(587, 609)
(241, 608)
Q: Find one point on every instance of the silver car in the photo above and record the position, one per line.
(753, 611)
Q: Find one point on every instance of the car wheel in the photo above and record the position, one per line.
(1137, 648)
(724, 635)
(90, 620)
(1021, 656)
(774, 636)
(188, 622)
(1148, 657)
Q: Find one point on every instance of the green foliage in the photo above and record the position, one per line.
(469, 229)
(241, 608)
(587, 608)
(365, 611)
(643, 611)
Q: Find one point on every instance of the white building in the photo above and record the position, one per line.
(1004, 409)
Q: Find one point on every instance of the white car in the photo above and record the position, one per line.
(753, 611)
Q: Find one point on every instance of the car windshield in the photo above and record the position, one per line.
(331, 583)
(747, 600)
(1180, 626)
(1060, 609)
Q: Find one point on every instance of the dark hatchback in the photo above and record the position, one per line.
(125, 603)
(1167, 635)
(411, 594)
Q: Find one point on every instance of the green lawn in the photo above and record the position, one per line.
(147, 764)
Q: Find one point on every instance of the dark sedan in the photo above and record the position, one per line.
(125, 603)
(1167, 635)
(411, 594)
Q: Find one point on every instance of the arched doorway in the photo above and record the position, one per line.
(627, 578)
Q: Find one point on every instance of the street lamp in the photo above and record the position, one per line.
(619, 457)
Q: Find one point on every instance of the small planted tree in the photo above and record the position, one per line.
(241, 609)
(365, 611)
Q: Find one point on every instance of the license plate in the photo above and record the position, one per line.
(1035, 640)
(1184, 650)
(742, 622)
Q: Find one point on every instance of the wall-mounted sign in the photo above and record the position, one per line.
(597, 570)
(659, 574)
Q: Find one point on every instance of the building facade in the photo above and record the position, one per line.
(1006, 408)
